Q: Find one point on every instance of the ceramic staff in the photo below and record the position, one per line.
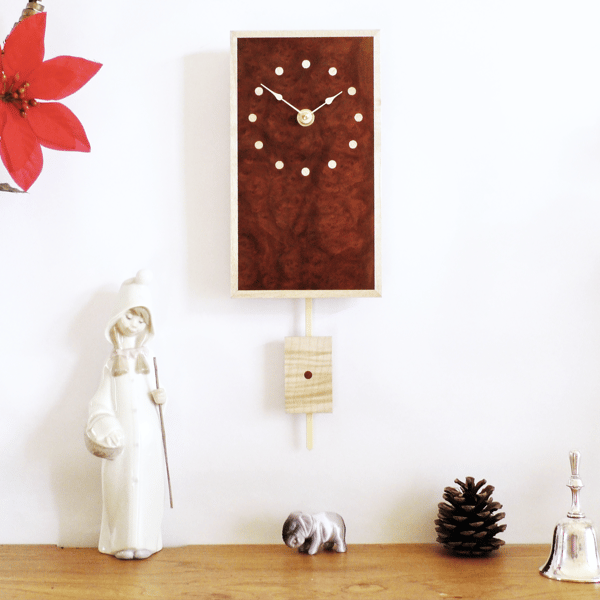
(164, 436)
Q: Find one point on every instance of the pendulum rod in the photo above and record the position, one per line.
(308, 333)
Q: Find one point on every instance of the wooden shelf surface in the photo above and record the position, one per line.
(275, 572)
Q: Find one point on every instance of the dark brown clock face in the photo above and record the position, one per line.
(306, 155)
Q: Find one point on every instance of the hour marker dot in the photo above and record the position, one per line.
(305, 171)
(279, 165)
(259, 91)
(279, 71)
(353, 144)
(306, 64)
(332, 164)
(333, 71)
(252, 118)
(358, 117)
(352, 91)
(258, 145)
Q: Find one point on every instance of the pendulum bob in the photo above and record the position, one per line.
(308, 377)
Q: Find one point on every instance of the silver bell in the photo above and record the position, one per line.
(574, 553)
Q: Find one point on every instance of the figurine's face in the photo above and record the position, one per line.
(295, 539)
(131, 325)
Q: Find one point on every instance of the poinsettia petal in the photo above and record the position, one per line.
(57, 127)
(60, 77)
(24, 47)
(3, 109)
(20, 150)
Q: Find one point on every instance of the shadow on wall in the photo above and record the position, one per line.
(206, 152)
(74, 473)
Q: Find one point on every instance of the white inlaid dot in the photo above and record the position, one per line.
(358, 117)
(305, 171)
(353, 144)
(279, 165)
(258, 145)
(332, 164)
(279, 71)
(252, 118)
(333, 71)
(352, 91)
(259, 91)
(306, 64)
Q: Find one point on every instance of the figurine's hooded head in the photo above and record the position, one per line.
(133, 293)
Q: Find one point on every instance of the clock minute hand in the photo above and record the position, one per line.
(327, 101)
(280, 97)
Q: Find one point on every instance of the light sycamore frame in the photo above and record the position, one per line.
(237, 293)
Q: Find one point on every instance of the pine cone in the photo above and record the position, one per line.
(466, 522)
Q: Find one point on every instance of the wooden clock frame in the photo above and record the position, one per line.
(366, 260)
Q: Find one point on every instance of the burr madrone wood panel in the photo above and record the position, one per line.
(305, 196)
(308, 375)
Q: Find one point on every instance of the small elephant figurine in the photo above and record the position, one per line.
(308, 533)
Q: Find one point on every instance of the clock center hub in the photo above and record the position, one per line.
(306, 117)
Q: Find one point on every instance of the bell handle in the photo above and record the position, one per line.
(574, 457)
(575, 484)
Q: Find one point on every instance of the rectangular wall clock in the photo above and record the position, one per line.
(305, 164)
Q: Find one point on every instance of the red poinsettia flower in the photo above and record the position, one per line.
(25, 123)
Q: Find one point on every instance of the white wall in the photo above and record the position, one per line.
(480, 359)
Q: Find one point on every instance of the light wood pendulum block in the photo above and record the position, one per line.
(308, 376)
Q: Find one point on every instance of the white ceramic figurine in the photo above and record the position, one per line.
(309, 533)
(124, 430)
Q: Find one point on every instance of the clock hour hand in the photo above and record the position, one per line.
(279, 97)
(327, 101)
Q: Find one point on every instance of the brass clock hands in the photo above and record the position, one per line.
(279, 97)
(327, 101)
(305, 116)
